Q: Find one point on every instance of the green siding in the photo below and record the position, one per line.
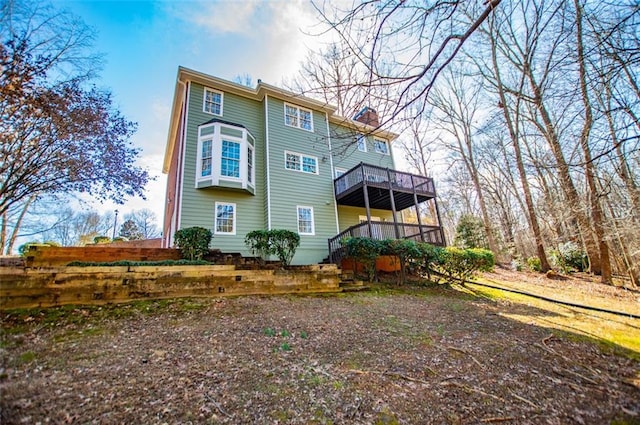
(346, 153)
(198, 205)
(290, 189)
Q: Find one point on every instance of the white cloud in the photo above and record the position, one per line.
(230, 17)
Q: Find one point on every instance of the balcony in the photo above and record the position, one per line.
(368, 186)
(382, 188)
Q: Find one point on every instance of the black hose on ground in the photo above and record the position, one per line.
(540, 297)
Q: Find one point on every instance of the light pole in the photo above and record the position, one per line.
(115, 222)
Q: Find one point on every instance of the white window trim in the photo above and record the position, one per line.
(240, 160)
(339, 170)
(386, 143)
(301, 156)
(362, 137)
(204, 101)
(298, 109)
(215, 218)
(216, 162)
(313, 220)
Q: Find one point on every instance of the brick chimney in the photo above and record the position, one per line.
(367, 116)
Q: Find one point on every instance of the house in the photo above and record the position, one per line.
(240, 159)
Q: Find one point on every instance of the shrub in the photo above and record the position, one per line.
(193, 242)
(101, 239)
(407, 252)
(568, 257)
(283, 243)
(278, 242)
(534, 264)
(365, 251)
(430, 261)
(23, 249)
(461, 264)
(258, 243)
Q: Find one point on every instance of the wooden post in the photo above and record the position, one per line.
(415, 203)
(393, 205)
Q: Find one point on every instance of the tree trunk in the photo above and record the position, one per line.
(16, 228)
(594, 201)
(513, 133)
(571, 194)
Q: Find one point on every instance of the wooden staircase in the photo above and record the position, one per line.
(348, 283)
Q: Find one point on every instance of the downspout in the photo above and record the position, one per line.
(266, 152)
(333, 189)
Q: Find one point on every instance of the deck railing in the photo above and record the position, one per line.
(383, 230)
(379, 176)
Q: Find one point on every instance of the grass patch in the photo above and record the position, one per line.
(616, 334)
(26, 357)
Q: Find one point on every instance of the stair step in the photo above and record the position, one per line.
(354, 288)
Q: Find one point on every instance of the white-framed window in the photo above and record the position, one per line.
(295, 116)
(381, 146)
(361, 140)
(338, 172)
(225, 157)
(230, 159)
(225, 219)
(212, 102)
(306, 225)
(250, 169)
(299, 162)
(205, 158)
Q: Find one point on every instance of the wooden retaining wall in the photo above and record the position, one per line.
(47, 256)
(44, 287)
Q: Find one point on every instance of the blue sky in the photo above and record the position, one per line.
(144, 42)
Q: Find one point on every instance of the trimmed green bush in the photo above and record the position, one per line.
(284, 244)
(258, 243)
(23, 249)
(193, 242)
(279, 242)
(101, 239)
(461, 264)
(365, 251)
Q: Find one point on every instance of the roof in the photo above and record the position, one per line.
(258, 93)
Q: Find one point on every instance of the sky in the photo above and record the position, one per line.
(144, 43)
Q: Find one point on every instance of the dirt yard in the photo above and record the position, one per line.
(412, 355)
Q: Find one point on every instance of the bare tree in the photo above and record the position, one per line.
(59, 134)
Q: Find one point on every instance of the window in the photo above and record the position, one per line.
(250, 164)
(205, 161)
(305, 221)
(230, 166)
(225, 218)
(222, 157)
(212, 102)
(381, 146)
(298, 162)
(295, 116)
(339, 171)
(362, 143)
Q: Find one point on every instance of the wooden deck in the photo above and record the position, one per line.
(385, 188)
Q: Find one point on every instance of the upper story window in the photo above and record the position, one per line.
(295, 116)
(381, 146)
(306, 225)
(225, 152)
(362, 142)
(299, 162)
(230, 165)
(212, 102)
